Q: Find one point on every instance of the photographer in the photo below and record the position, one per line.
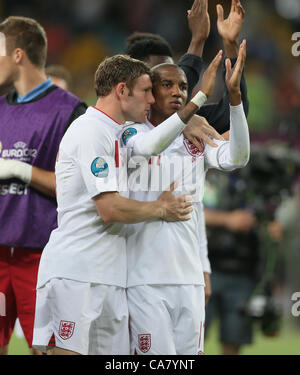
(234, 256)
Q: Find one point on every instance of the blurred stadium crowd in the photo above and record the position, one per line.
(81, 33)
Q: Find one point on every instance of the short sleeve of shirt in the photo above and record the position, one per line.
(131, 133)
(96, 157)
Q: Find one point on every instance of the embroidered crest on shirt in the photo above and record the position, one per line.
(192, 149)
(127, 134)
(99, 167)
(66, 329)
(144, 342)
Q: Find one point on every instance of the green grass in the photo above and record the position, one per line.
(286, 343)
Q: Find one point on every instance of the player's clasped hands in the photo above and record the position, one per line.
(175, 207)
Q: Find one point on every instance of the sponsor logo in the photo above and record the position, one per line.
(13, 189)
(99, 167)
(127, 134)
(66, 329)
(20, 151)
(144, 342)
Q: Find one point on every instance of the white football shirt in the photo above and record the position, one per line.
(160, 252)
(84, 247)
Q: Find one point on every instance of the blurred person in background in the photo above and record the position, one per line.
(233, 250)
(284, 230)
(60, 76)
(34, 117)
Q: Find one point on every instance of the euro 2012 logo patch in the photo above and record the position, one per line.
(99, 167)
(127, 134)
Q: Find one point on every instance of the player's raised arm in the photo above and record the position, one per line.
(199, 25)
(236, 152)
(229, 28)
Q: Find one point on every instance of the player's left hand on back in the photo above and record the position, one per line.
(175, 207)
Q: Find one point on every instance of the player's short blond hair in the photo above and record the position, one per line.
(116, 69)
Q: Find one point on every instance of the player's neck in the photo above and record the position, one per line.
(156, 118)
(110, 108)
(28, 79)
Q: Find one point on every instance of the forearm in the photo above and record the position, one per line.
(231, 48)
(159, 138)
(165, 133)
(239, 139)
(43, 181)
(192, 65)
(40, 179)
(113, 208)
(215, 218)
(196, 47)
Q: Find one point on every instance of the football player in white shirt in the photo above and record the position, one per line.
(81, 295)
(165, 279)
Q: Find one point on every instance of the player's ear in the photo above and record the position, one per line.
(121, 89)
(18, 55)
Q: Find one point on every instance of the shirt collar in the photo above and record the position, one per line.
(35, 92)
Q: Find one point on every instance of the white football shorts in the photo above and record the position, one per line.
(166, 319)
(86, 318)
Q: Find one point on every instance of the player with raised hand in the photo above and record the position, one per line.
(230, 28)
(165, 284)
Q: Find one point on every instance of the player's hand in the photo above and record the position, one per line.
(229, 28)
(15, 169)
(198, 129)
(275, 230)
(175, 207)
(234, 75)
(240, 221)
(209, 76)
(198, 20)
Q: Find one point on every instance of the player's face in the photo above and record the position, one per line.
(137, 104)
(169, 90)
(154, 60)
(7, 66)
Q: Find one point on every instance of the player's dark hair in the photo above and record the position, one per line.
(141, 48)
(27, 34)
(138, 35)
(116, 69)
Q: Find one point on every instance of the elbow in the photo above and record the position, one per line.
(242, 161)
(108, 214)
(109, 217)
